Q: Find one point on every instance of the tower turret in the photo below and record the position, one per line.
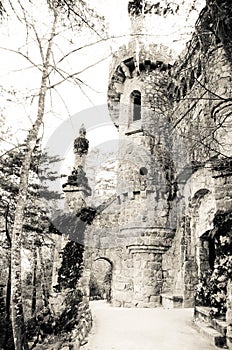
(76, 191)
(140, 108)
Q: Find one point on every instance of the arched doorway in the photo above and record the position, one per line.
(100, 279)
(203, 208)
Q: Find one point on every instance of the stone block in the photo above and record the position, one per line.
(148, 273)
(137, 264)
(116, 303)
(129, 263)
(155, 299)
(147, 304)
(127, 304)
(119, 286)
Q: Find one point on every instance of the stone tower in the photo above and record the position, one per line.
(140, 109)
(76, 190)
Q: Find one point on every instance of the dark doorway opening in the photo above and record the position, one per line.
(212, 253)
(101, 279)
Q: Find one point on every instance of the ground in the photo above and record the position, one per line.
(143, 329)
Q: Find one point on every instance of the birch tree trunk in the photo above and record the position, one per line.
(8, 328)
(18, 324)
(34, 282)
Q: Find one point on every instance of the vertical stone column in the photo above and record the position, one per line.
(190, 281)
(76, 191)
(147, 264)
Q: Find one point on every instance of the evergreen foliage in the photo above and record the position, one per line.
(71, 268)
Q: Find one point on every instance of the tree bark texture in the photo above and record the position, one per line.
(17, 314)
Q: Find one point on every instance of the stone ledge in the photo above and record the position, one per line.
(202, 314)
(202, 310)
(170, 301)
(134, 249)
(220, 326)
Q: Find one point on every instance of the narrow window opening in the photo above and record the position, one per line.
(212, 254)
(136, 105)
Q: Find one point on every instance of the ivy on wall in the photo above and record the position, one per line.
(71, 268)
(212, 288)
(216, 19)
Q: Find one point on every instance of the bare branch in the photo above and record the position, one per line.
(83, 70)
(23, 55)
(10, 143)
(66, 107)
(85, 46)
(189, 110)
(39, 42)
(81, 17)
(199, 141)
(210, 91)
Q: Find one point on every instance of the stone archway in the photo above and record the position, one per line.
(203, 213)
(101, 279)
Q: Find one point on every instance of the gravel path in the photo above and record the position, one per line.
(143, 329)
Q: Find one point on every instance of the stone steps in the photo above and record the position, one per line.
(216, 338)
(220, 326)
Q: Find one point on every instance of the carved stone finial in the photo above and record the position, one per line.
(82, 130)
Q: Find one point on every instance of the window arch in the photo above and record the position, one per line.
(136, 105)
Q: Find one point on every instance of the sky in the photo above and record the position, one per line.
(17, 75)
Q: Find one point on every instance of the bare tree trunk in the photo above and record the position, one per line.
(34, 282)
(18, 324)
(8, 325)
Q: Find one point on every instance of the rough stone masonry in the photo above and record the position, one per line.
(169, 189)
(174, 166)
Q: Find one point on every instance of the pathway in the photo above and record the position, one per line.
(143, 329)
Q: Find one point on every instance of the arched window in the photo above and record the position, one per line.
(136, 105)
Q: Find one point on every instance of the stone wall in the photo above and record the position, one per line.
(200, 90)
